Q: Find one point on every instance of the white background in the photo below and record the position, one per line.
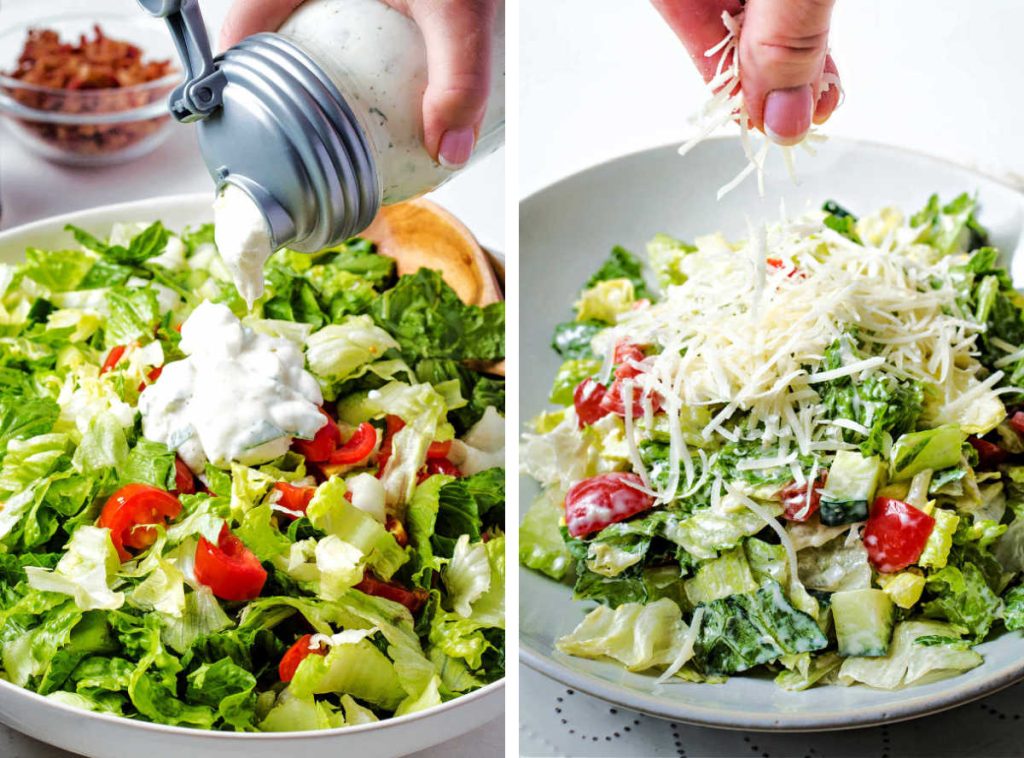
(604, 77)
(31, 188)
(600, 78)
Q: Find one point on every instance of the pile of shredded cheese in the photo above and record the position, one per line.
(727, 105)
(745, 339)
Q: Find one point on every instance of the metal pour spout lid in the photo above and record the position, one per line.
(272, 123)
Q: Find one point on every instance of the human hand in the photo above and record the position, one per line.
(783, 54)
(458, 39)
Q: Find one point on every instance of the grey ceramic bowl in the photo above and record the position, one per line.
(566, 230)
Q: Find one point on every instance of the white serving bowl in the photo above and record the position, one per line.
(566, 230)
(103, 735)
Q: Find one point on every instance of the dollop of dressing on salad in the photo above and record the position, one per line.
(243, 240)
(239, 396)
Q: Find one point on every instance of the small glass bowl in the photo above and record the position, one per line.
(93, 127)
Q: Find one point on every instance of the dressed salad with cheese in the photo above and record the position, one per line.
(276, 518)
(803, 453)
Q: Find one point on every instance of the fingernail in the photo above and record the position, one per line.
(787, 114)
(456, 147)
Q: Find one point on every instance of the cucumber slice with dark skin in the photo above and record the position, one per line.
(852, 481)
(864, 620)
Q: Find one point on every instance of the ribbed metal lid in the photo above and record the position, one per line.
(272, 123)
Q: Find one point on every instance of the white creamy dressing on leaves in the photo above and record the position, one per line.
(239, 396)
(243, 240)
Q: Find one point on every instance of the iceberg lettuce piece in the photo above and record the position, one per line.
(84, 572)
(911, 660)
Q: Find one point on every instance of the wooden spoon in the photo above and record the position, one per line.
(421, 234)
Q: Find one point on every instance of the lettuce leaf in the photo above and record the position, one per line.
(746, 630)
(639, 636)
(429, 320)
(911, 662)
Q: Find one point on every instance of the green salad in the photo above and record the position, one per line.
(802, 454)
(284, 519)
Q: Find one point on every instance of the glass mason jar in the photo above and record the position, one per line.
(377, 59)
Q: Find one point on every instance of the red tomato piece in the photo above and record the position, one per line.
(613, 401)
(229, 568)
(295, 655)
(895, 534)
(587, 398)
(989, 454)
(594, 503)
(626, 353)
(132, 506)
(154, 373)
(414, 600)
(324, 442)
(774, 262)
(294, 498)
(113, 358)
(184, 481)
(394, 426)
(439, 466)
(439, 449)
(794, 499)
(358, 448)
(1017, 422)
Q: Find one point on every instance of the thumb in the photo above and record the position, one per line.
(783, 47)
(458, 40)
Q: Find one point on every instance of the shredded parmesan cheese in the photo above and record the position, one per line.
(747, 342)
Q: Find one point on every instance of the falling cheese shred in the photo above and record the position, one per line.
(727, 105)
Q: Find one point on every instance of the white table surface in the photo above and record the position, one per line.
(32, 189)
(601, 78)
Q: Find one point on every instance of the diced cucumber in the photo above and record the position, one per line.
(864, 621)
(852, 481)
(931, 449)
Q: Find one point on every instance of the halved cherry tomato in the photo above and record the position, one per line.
(132, 505)
(614, 402)
(319, 449)
(443, 466)
(626, 353)
(794, 499)
(414, 600)
(113, 358)
(358, 448)
(989, 454)
(229, 568)
(438, 466)
(895, 534)
(587, 399)
(295, 655)
(594, 503)
(184, 481)
(439, 449)
(294, 498)
(1017, 422)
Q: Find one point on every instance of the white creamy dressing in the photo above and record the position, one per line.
(239, 396)
(243, 239)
